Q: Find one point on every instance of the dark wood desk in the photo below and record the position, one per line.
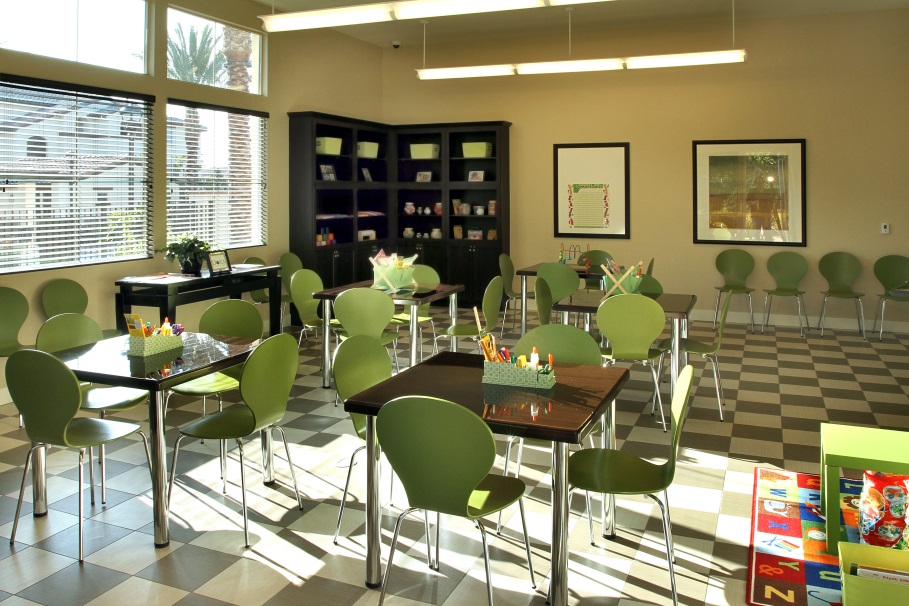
(166, 292)
(106, 362)
(532, 271)
(565, 415)
(411, 299)
(676, 307)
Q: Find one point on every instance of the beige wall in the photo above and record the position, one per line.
(834, 81)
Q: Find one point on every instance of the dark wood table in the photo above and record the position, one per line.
(526, 272)
(409, 298)
(166, 292)
(566, 414)
(676, 307)
(106, 362)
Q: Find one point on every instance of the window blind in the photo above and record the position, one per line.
(75, 175)
(216, 174)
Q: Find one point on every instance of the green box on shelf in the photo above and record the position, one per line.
(328, 145)
(424, 151)
(399, 278)
(505, 373)
(139, 346)
(479, 149)
(865, 590)
(367, 149)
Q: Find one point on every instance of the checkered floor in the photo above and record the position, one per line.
(778, 387)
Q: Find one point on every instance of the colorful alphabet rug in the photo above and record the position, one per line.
(788, 563)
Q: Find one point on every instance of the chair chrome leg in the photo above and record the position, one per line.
(508, 444)
(391, 553)
(243, 493)
(505, 317)
(820, 322)
(438, 545)
(720, 399)
(860, 310)
(173, 469)
(533, 581)
(668, 538)
(716, 310)
(28, 459)
(81, 500)
(751, 312)
(802, 311)
(485, 560)
(91, 478)
(344, 497)
(768, 301)
(590, 516)
(290, 463)
(428, 531)
(656, 391)
(147, 451)
(879, 313)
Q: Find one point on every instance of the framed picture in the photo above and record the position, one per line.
(218, 262)
(475, 175)
(424, 176)
(750, 192)
(366, 175)
(328, 172)
(591, 190)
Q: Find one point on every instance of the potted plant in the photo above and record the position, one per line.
(189, 251)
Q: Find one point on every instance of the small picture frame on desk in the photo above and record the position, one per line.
(475, 175)
(218, 262)
(424, 176)
(328, 172)
(366, 175)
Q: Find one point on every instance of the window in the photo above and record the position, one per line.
(216, 162)
(75, 175)
(207, 52)
(108, 33)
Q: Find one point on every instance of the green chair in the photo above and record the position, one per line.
(787, 269)
(49, 407)
(265, 383)
(303, 284)
(359, 363)
(593, 259)
(62, 296)
(442, 453)
(735, 265)
(609, 471)
(69, 330)
(561, 278)
(709, 352)
(841, 270)
(631, 323)
(650, 286)
(506, 270)
(892, 271)
(543, 297)
(649, 271)
(492, 300)
(261, 297)
(425, 277)
(290, 264)
(366, 311)
(15, 311)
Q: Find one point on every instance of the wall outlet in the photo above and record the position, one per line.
(885, 228)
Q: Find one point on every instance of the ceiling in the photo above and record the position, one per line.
(595, 15)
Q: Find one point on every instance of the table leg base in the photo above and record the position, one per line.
(270, 484)
(161, 545)
(373, 585)
(39, 515)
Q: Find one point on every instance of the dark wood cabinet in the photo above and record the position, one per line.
(444, 185)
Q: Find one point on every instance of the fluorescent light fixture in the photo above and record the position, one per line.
(685, 59)
(476, 71)
(425, 9)
(562, 67)
(329, 17)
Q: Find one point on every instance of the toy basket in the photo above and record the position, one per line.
(155, 344)
(392, 277)
(626, 283)
(504, 373)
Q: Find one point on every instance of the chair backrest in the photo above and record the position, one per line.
(359, 363)
(892, 271)
(439, 450)
(492, 303)
(506, 270)
(303, 284)
(631, 323)
(46, 393)
(259, 296)
(735, 265)
(566, 344)
(232, 318)
(596, 258)
(426, 276)
(364, 311)
(787, 268)
(561, 278)
(649, 271)
(268, 375)
(15, 311)
(650, 285)
(290, 264)
(840, 269)
(681, 398)
(65, 331)
(63, 296)
(543, 297)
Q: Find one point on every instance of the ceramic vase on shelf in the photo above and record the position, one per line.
(438, 208)
(409, 208)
